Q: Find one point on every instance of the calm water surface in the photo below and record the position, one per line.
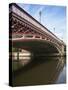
(41, 70)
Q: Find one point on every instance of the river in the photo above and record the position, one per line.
(41, 71)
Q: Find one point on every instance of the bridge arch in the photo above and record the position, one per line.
(38, 46)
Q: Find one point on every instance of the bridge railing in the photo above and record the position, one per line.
(32, 36)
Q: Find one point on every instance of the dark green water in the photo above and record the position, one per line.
(41, 71)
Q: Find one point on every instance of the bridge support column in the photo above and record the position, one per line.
(62, 48)
(23, 36)
(40, 37)
(34, 36)
(18, 57)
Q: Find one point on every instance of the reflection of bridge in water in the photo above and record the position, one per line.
(41, 70)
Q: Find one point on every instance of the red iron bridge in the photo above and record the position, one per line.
(29, 34)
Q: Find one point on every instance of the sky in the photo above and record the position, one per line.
(52, 17)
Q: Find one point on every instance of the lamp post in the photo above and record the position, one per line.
(40, 16)
(54, 30)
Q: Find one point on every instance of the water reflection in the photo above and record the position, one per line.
(20, 59)
(41, 70)
(62, 76)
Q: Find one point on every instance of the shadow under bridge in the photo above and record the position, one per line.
(36, 47)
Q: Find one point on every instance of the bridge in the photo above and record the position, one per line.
(29, 34)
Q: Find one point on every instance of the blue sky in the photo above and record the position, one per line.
(51, 17)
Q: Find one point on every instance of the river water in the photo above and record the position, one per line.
(41, 71)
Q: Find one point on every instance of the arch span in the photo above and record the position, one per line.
(37, 46)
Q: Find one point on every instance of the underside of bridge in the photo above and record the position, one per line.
(36, 46)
